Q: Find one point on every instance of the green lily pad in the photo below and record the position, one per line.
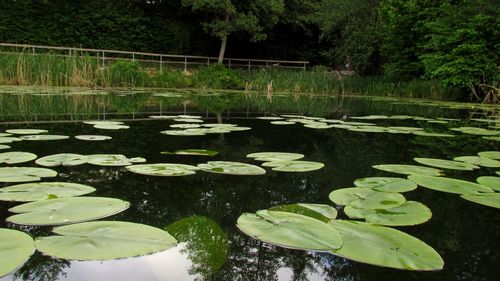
(16, 248)
(446, 164)
(487, 199)
(294, 166)
(111, 126)
(188, 120)
(290, 230)
(5, 134)
(386, 184)
(104, 240)
(491, 182)
(365, 198)
(163, 116)
(318, 125)
(9, 139)
(318, 211)
(448, 184)
(2, 146)
(184, 132)
(384, 246)
(103, 122)
(25, 174)
(476, 131)
(185, 126)
(370, 117)
(231, 168)
(368, 129)
(408, 129)
(163, 169)
(495, 155)
(270, 118)
(429, 134)
(92, 137)
(409, 169)
(66, 210)
(197, 152)
(275, 156)
(236, 129)
(189, 116)
(283, 123)
(43, 190)
(26, 131)
(218, 125)
(16, 157)
(43, 137)
(409, 213)
(113, 160)
(492, 138)
(478, 160)
(62, 159)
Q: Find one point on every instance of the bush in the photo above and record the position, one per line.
(217, 76)
(127, 73)
(171, 79)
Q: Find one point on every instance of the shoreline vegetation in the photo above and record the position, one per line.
(86, 71)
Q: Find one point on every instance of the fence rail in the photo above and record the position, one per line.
(161, 60)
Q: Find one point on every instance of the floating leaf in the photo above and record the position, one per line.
(294, 166)
(5, 134)
(365, 198)
(9, 139)
(111, 126)
(386, 184)
(197, 152)
(112, 160)
(16, 157)
(163, 116)
(384, 246)
(491, 182)
(409, 213)
(104, 240)
(92, 137)
(492, 138)
(44, 190)
(480, 161)
(184, 132)
(62, 159)
(275, 156)
(66, 210)
(188, 120)
(283, 123)
(318, 125)
(185, 126)
(189, 116)
(163, 169)
(487, 199)
(318, 211)
(409, 169)
(4, 146)
(408, 129)
(103, 122)
(290, 230)
(429, 134)
(26, 131)
(231, 168)
(446, 164)
(43, 137)
(24, 174)
(16, 247)
(218, 125)
(368, 129)
(490, 154)
(270, 118)
(236, 129)
(448, 184)
(476, 131)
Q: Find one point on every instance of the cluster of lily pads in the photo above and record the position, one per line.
(41, 135)
(191, 125)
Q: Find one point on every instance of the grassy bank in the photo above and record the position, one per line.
(52, 70)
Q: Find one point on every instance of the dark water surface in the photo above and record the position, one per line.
(203, 208)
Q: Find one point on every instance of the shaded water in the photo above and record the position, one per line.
(202, 209)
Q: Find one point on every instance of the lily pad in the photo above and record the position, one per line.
(491, 182)
(409, 213)
(189, 116)
(188, 120)
(369, 129)
(114, 160)
(26, 131)
(218, 125)
(25, 174)
(5, 135)
(111, 126)
(490, 154)
(184, 132)
(44, 190)
(492, 138)
(197, 152)
(448, 184)
(16, 247)
(185, 126)
(318, 125)
(163, 169)
(9, 139)
(365, 198)
(429, 134)
(236, 129)
(16, 157)
(275, 156)
(231, 168)
(163, 116)
(43, 137)
(386, 184)
(66, 210)
(104, 240)
(478, 160)
(446, 164)
(283, 123)
(318, 211)
(62, 159)
(290, 230)
(270, 118)
(384, 246)
(487, 199)
(409, 169)
(294, 166)
(103, 122)
(2, 146)
(92, 137)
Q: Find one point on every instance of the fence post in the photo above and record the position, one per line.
(208, 61)
(248, 64)
(304, 66)
(133, 56)
(229, 63)
(33, 48)
(161, 63)
(103, 58)
(185, 63)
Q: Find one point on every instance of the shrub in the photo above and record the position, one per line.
(217, 76)
(127, 73)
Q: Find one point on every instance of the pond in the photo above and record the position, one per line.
(201, 210)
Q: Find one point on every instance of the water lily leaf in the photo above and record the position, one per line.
(386, 184)
(275, 156)
(16, 157)
(218, 125)
(2, 146)
(283, 123)
(409, 213)
(318, 125)
(370, 117)
(480, 161)
(188, 120)
(476, 131)
(448, 184)
(26, 131)
(294, 166)
(235, 129)
(62, 159)
(9, 139)
(16, 247)
(492, 139)
(189, 116)
(104, 240)
(231, 168)
(197, 152)
(184, 132)
(409, 129)
(115, 160)
(490, 154)
(446, 164)
(365, 198)
(44, 190)
(5, 134)
(103, 122)
(185, 126)
(24, 174)
(163, 169)
(384, 246)
(111, 126)
(487, 199)
(491, 182)
(92, 137)
(368, 129)
(409, 169)
(318, 211)
(66, 210)
(270, 118)
(429, 134)
(290, 230)
(163, 116)
(43, 137)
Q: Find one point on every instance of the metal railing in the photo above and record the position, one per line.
(179, 61)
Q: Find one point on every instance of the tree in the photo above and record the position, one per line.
(223, 17)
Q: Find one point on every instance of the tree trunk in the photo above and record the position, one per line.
(222, 49)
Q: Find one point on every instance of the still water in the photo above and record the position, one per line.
(201, 210)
